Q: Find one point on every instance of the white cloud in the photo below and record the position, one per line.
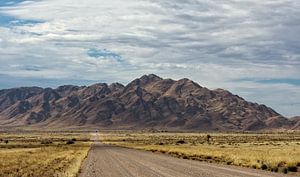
(213, 42)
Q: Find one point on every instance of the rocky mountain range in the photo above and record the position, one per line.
(145, 103)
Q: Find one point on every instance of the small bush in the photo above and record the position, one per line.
(70, 142)
(180, 142)
(163, 151)
(208, 138)
(264, 167)
(74, 139)
(6, 141)
(208, 157)
(185, 157)
(292, 169)
(275, 169)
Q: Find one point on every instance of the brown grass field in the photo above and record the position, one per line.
(42, 154)
(277, 152)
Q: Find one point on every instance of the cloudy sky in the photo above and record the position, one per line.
(250, 47)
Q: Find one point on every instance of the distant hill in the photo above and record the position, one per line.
(146, 102)
(296, 124)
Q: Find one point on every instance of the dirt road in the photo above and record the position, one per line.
(112, 161)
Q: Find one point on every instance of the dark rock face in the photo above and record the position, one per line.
(147, 102)
(9, 97)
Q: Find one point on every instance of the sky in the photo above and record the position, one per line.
(249, 47)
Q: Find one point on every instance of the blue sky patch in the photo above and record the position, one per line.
(7, 21)
(104, 53)
(5, 3)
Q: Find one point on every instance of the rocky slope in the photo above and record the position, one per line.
(147, 102)
(296, 122)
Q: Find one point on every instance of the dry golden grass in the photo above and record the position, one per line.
(274, 151)
(42, 154)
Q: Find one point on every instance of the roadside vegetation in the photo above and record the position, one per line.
(277, 152)
(42, 154)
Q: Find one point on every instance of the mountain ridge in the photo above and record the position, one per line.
(146, 102)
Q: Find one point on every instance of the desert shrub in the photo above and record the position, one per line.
(208, 138)
(185, 157)
(163, 151)
(274, 169)
(229, 162)
(6, 141)
(70, 142)
(292, 168)
(208, 157)
(180, 142)
(74, 139)
(264, 167)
